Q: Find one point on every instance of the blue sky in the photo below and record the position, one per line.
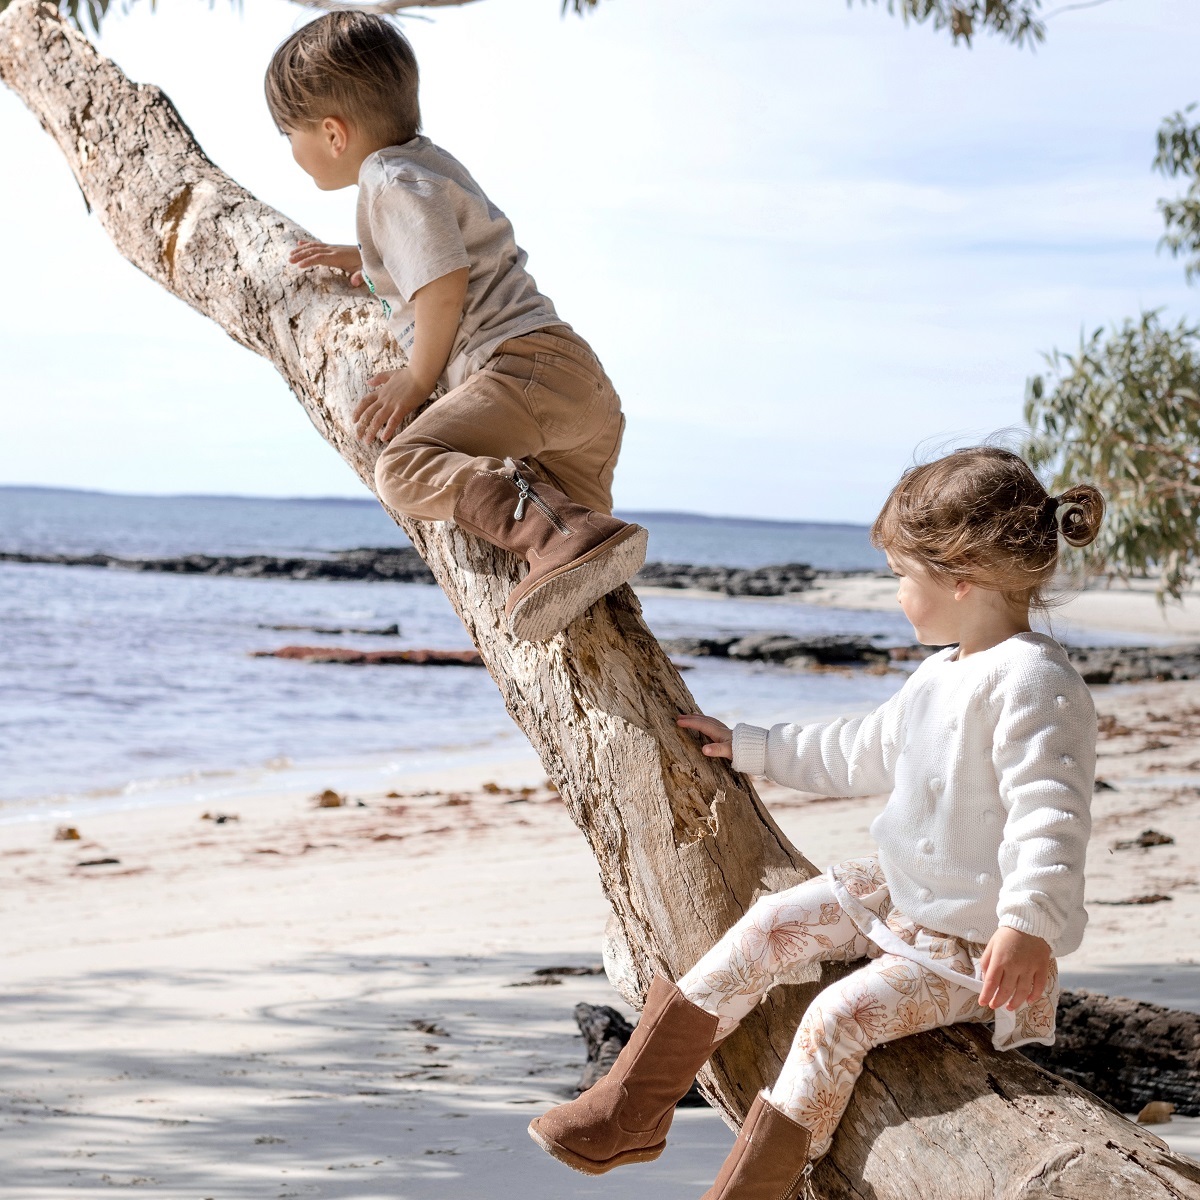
(806, 240)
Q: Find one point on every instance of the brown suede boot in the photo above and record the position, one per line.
(769, 1160)
(625, 1116)
(575, 555)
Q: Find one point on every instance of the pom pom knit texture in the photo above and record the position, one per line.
(990, 763)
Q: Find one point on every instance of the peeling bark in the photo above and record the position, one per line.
(682, 842)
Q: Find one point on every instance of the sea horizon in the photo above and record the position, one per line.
(371, 502)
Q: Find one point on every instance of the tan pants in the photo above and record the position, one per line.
(543, 397)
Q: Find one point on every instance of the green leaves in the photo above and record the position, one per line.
(1123, 413)
(89, 13)
(1015, 20)
(1178, 153)
(79, 11)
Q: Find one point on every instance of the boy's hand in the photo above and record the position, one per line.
(1015, 967)
(720, 736)
(381, 412)
(319, 254)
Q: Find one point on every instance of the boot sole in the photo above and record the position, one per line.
(585, 1166)
(572, 589)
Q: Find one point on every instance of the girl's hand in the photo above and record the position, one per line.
(720, 736)
(308, 254)
(1015, 968)
(381, 412)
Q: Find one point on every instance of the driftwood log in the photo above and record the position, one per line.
(605, 1033)
(1128, 1052)
(680, 840)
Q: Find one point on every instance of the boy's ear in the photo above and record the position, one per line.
(336, 134)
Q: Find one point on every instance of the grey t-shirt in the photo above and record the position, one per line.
(421, 216)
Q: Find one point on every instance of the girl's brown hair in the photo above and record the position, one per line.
(981, 515)
(350, 65)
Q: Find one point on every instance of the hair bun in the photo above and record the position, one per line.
(1078, 513)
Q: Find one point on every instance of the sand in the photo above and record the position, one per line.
(343, 1002)
(1108, 606)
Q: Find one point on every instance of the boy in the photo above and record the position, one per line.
(521, 448)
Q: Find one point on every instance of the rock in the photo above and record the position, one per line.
(375, 658)
(1157, 1112)
(66, 833)
(782, 580)
(1097, 665)
(395, 564)
(219, 818)
(912, 653)
(783, 649)
(1127, 1052)
(99, 862)
(426, 1026)
(368, 631)
(1133, 664)
(330, 799)
(1152, 898)
(1102, 785)
(1148, 837)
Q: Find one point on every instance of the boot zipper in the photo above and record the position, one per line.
(528, 494)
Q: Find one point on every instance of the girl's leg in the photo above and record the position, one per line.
(625, 1117)
(889, 998)
(788, 929)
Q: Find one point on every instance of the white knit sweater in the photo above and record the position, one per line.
(990, 763)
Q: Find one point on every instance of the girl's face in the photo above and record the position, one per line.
(933, 607)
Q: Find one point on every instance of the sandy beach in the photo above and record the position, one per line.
(342, 1002)
(1130, 606)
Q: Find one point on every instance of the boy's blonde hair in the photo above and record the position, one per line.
(350, 65)
(981, 515)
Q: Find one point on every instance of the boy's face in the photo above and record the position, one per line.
(322, 151)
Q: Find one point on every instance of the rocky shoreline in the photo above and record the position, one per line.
(1097, 664)
(787, 650)
(402, 564)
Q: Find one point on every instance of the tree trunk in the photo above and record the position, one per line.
(682, 842)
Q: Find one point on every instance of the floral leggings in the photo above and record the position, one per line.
(889, 997)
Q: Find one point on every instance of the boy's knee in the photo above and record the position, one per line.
(392, 471)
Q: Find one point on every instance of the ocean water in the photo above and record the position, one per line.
(115, 686)
(49, 521)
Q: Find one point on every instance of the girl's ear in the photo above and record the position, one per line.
(962, 589)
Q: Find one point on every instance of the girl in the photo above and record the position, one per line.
(988, 753)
